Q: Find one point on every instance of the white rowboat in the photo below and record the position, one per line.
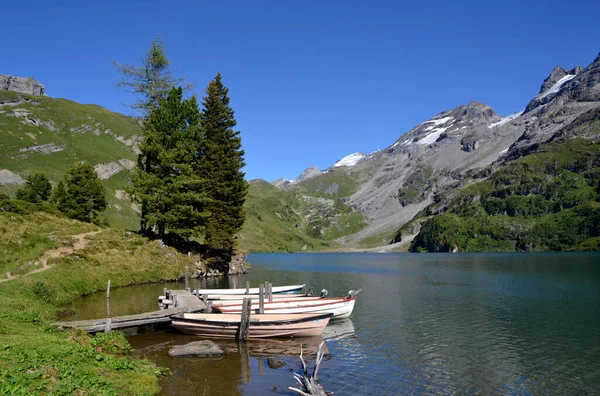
(339, 307)
(261, 325)
(292, 289)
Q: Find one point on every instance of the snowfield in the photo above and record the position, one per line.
(349, 160)
(506, 119)
(556, 87)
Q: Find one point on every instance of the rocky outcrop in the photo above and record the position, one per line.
(205, 348)
(25, 85)
(8, 177)
(238, 265)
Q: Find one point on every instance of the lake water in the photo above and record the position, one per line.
(424, 323)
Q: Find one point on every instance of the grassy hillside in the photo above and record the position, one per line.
(547, 200)
(37, 359)
(48, 135)
(289, 220)
(42, 134)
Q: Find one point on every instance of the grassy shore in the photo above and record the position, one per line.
(34, 357)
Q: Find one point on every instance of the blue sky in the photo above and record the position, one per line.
(310, 81)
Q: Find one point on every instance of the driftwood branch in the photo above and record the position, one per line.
(310, 385)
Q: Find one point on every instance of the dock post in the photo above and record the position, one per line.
(107, 325)
(247, 287)
(187, 281)
(261, 299)
(270, 294)
(174, 300)
(242, 333)
(234, 282)
(108, 290)
(165, 292)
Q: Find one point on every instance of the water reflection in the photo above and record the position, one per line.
(444, 324)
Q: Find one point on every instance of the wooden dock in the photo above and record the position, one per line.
(182, 301)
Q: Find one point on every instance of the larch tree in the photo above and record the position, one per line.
(165, 180)
(150, 81)
(220, 164)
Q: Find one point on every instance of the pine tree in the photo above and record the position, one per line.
(83, 195)
(151, 81)
(59, 196)
(165, 181)
(37, 189)
(220, 165)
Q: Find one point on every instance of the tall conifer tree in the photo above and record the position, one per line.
(220, 164)
(165, 181)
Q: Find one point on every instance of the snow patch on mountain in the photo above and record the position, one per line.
(556, 87)
(506, 119)
(349, 160)
(432, 136)
(437, 122)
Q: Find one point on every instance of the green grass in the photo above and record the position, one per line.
(292, 220)
(332, 184)
(274, 222)
(88, 133)
(35, 358)
(24, 238)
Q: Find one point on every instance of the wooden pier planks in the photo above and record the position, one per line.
(185, 302)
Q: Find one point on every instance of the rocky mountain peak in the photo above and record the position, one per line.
(281, 182)
(308, 174)
(21, 84)
(557, 73)
(474, 111)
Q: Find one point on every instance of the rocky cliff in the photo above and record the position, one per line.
(21, 84)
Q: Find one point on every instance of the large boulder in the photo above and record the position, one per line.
(205, 348)
(21, 84)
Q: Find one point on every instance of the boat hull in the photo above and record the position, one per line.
(261, 325)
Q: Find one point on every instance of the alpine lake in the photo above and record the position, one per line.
(489, 323)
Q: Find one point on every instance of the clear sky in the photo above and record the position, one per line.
(310, 81)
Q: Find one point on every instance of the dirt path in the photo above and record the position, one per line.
(79, 242)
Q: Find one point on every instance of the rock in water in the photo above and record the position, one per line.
(21, 84)
(274, 362)
(203, 348)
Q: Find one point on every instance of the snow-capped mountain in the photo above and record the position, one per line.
(399, 181)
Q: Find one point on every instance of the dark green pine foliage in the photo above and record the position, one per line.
(221, 163)
(165, 182)
(37, 189)
(82, 195)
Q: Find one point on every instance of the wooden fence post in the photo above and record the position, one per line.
(107, 325)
